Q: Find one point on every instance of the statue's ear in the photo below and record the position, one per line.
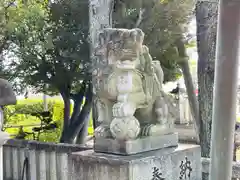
(7, 96)
(145, 49)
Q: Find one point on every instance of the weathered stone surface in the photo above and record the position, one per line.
(183, 162)
(129, 147)
(7, 96)
(127, 83)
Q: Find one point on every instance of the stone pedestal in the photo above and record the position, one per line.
(181, 163)
(140, 145)
(135, 139)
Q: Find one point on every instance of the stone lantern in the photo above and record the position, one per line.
(7, 97)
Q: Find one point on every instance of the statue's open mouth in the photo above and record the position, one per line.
(126, 64)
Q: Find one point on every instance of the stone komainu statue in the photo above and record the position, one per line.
(128, 87)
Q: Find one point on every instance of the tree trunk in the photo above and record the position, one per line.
(78, 101)
(77, 125)
(66, 112)
(191, 96)
(206, 17)
(189, 85)
(82, 135)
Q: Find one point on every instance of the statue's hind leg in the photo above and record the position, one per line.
(161, 123)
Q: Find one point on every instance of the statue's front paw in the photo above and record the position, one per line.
(123, 109)
(145, 131)
(102, 131)
(156, 130)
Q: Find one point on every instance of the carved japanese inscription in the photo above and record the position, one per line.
(185, 169)
(156, 174)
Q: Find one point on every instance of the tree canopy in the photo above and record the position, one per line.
(50, 45)
(163, 23)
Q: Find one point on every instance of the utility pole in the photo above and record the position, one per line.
(225, 90)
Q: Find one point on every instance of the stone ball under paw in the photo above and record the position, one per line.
(125, 128)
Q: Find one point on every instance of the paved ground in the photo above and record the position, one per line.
(186, 133)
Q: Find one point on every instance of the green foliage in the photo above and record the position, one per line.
(19, 115)
(52, 44)
(52, 49)
(4, 35)
(13, 16)
(163, 22)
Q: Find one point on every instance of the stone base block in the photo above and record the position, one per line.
(181, 163)
(135, 146)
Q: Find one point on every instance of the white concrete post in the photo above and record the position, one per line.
(225, 90)
(181, 108)
(45, 104)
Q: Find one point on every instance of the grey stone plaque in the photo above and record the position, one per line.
(181, 163)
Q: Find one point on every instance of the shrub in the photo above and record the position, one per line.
(20, 115)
